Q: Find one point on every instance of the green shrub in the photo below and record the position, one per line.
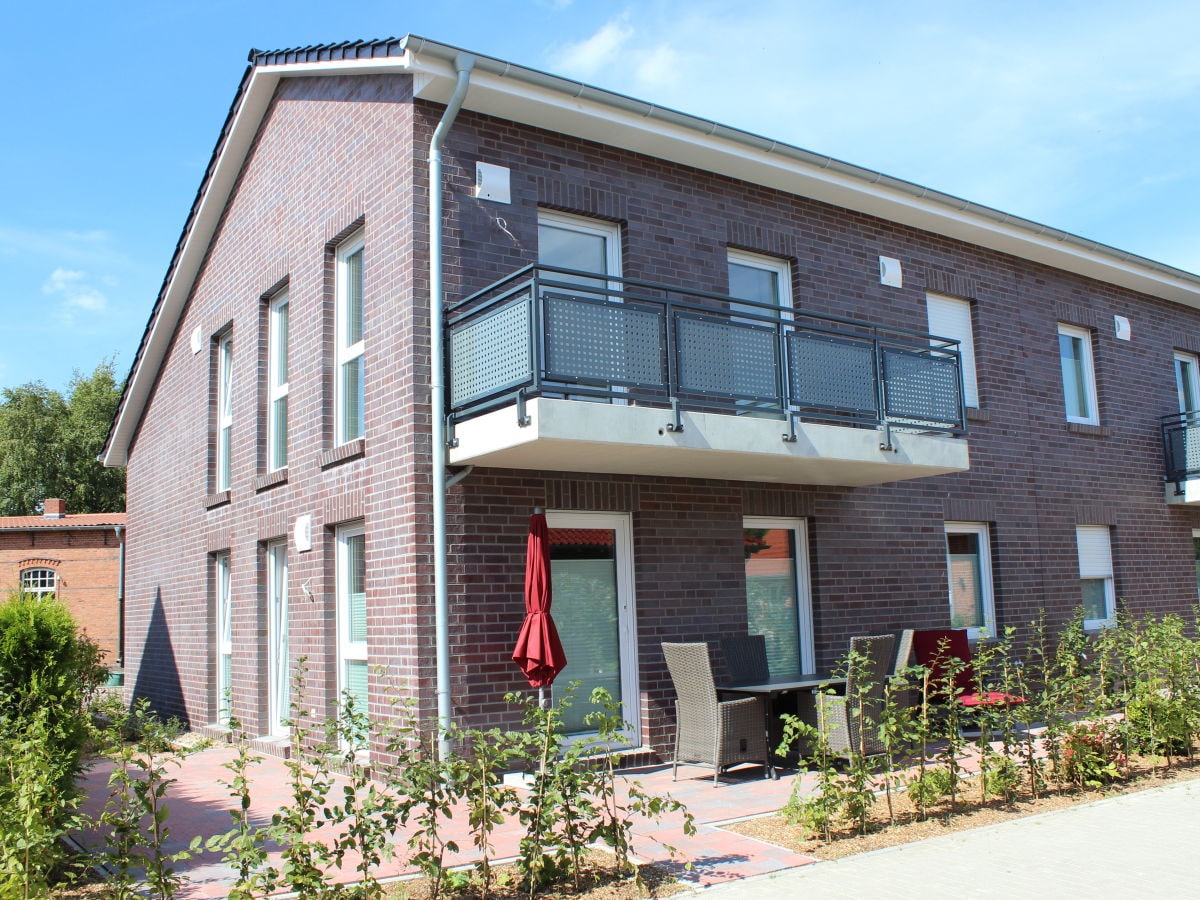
(1091, 755)
(46, 664)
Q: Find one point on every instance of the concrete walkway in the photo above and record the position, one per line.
(1143, 845)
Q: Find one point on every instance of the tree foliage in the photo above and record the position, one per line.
(49, 445)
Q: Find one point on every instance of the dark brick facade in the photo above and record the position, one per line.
(342, 153)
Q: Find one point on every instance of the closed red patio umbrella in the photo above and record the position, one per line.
(539, 652)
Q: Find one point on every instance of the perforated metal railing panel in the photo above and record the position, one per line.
(491, 354)
(604, 343)
(722, 358)
(833, 373)
(921, 387)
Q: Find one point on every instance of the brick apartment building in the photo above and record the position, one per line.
(756, 389)
(78, 558)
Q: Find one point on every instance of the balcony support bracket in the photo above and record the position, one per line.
(677, 426)
(523, 418)
(790, 437)
(886, 444)
(451, 437)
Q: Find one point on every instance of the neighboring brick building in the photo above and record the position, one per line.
(774, 442)
(78, 558)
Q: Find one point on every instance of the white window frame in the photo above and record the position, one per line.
(780, 268)
(950, 317)
(278, 656)
(1087, 375)
(1094, 546)
(223, 636)
(224, 399)
(983, 532)
(39, 581)
(620, 525)
(277, 382)
(804, 614)
(348, 650)
(1187, 380)
(609, 231)
(345, 351)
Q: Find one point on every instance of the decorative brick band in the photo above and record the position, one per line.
(756, 239)
(1095, 514)
(218, 539)
(974, 414)
(573, 197)
(344, 508)
(778, 502)
(951, 283)
(1076, 315)
(1091, 430)
(968, 509)
(596, 496)
(270, 479)
(270, 527)
(39, 562)
(220, 498)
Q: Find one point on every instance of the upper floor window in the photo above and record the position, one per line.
(1096, 574)
(39, 581)
(277, 384)
(762, 279)
(1079, 378)
(224, 400)
(579, 244)
(950, 317)
(1187, 381)
(350, 378)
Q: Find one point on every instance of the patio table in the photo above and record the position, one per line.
(804, 684)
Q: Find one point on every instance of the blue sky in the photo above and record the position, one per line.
(1081, 115)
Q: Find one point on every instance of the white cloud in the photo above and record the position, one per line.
(595, 54)
(76, 294)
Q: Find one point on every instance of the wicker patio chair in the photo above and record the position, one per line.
(841, 718)
(708, 731)
(746, 658)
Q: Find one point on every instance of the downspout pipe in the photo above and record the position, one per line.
(463, 64)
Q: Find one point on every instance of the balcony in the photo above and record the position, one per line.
(1181, 454)
(561, 370)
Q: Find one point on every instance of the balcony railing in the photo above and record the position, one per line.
(1181, 446)
(552, 332)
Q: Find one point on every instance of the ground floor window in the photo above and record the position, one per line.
(969, 567)
(278, 665)
(778, 598)
(223, 603)
(591, 575)
(1196, 555)
(1096, 574)
(38, 582)
(352, 615)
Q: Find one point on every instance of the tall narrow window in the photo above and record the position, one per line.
(350, 378)
(1096, 574)
(1196, 555)
(38, 582)
(777, 592)
(223, 603)
(950, 317)
(1187, 381)
(278, 664)
(969, 567)
(224, 411)
(277, 384)
(352, 615)
(1078, 375)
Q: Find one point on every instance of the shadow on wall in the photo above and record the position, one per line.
(158, 673)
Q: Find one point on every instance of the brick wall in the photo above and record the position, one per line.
(87, 563)
(336, 154)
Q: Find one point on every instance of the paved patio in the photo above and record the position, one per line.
(200, 804)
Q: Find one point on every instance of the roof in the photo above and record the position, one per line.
(65, 523)
(531, 97)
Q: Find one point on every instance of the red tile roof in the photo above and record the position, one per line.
(71, 520)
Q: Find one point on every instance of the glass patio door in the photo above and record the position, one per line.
(592, 579)
(778, 599)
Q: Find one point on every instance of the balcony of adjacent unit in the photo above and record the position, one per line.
(559, 370)
(1181, 455)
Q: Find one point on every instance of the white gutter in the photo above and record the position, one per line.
(463, 64)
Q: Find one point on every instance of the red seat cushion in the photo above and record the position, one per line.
(991, 698)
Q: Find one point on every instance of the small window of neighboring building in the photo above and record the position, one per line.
(224, 401)
(969, 566)
(277, 384)
(950, 317)
(39, 581)
(1096, 575)
(1079, 377)
(350, 377)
